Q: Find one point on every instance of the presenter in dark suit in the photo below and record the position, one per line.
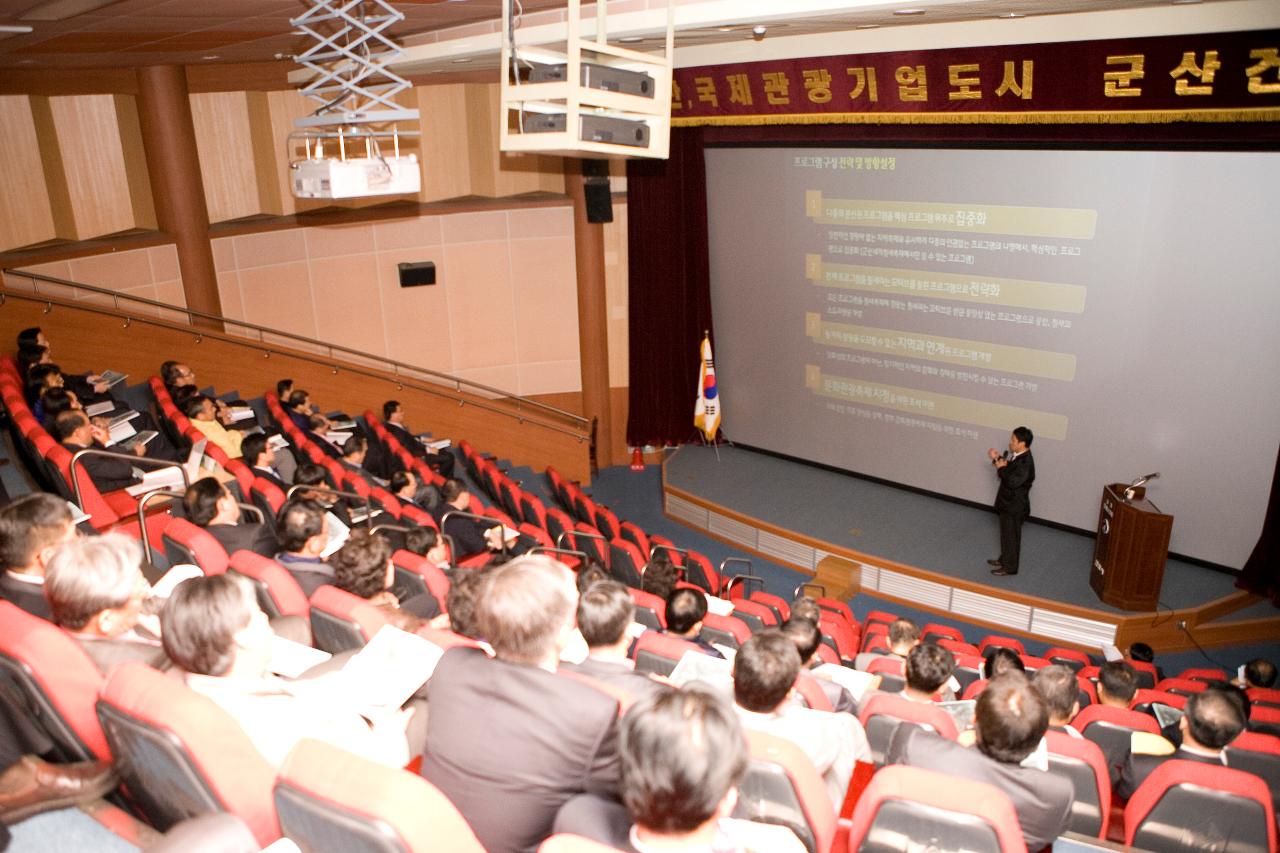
(1017, 471)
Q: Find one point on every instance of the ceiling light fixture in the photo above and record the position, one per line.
(631, 39)
(14, 28)
(461, 60)
(905, 12)
(212, 56)
(1011, 15)
(1185, 2)
(867, 27)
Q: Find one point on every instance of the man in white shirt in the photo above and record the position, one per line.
(764, 671)
(214, 631)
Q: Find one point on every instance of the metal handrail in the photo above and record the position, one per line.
(654, 549)
(396, 367)
(300, 487)
(142, 515)
(547, 549)
(727, 560)
(576, 533)
(129, 457)
(805, 587)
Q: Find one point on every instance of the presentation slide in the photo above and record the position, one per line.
(896, 312)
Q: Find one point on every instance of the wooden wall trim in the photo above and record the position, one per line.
(88, 337)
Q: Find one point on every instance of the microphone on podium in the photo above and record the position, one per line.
(1139, 483)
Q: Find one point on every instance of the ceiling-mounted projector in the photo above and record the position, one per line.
(329, 177)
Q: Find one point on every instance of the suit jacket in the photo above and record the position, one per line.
(28, 596)
(467, 533)
(257, 538)
(509, 744)
(309, 573)
(271, 478)
(1139, 766)
(107, 652)
(407, 440)
(616, 674)
(1041, 799)
(106, 473)
(1014, 495)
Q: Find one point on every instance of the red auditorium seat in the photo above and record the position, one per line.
(277, 592)
(974, 689)
(55, 680)
(626, 562)
(935, 631)
(811, 692)
(1112, 728)
(590, 542)
(651, 611)
(1072, 658)
(560, 528)
(532, 510)
(1033, 663)
(609, 526)
(182, 755)
(659, 653)
(913, 808)
(1188, 805)
(417, 575)
(757, 616)
(958, 647)
(331, 801)
(1143, 699)
(268, 497)
(883, 713)
(726, 630)
(892, 673)
(1264, 696)
(633, 534)
(968, 669)
(876, 643)
(994, 641)
(1185, 686)
(1082, 763)
(840, 608)
(1265, 719)
(1148, 675)
(879, 617)
(1201, 674)
(184, 542)
(782, 787)
(700, 572)
(843, 637)
(341, 621)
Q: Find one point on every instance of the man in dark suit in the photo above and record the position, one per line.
(304, 533)
(509, 740)
(32, 529)
(96, 592)
(74, 431)
(210, 505)
(1010, 721)
(277, 469)
(686, 608)
(471, 536)
(1210, 721)
(393, 416)
(1017, 471)
(605, 611)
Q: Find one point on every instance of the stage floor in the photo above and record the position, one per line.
(806, 512)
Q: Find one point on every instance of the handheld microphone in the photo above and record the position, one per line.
(1138, 483)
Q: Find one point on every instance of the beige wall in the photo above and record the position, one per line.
(150, 273)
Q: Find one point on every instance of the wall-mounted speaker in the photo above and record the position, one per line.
(598, 192)
(417, 274)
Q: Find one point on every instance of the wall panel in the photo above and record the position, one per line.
(25, 213)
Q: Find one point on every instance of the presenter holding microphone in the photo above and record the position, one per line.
(1017, 471)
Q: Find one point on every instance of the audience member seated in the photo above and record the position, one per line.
(1117, 682)
(464, 592)
(276, 468)
(1144, 653)
(213, 423)
(508, 740)
(1258, 672)
(304, 533)
(58, 400)
(927, 671)
(807, 638)
(1000, 661)
(659, 576)
(210, 505)
(175, 375)
(404, 485)
(215, 633)
(1009, 723)
(904, 635)
(88, 386)
(1210, 721)
(427, 542)
(41, 379)
(393, 417)
(32, 528)
(764, 670)
(311, 474)
(1061, 693)
(354, 452)
(591, 574)
(96, 593)
(686, 608)
(74, 431)
(299, 408)
(605, 611)
(471, 536)
(683, 756)
(362, 566)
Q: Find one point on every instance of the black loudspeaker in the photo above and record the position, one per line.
(417, 274)
(598, 193)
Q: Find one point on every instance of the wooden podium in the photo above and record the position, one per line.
(1129, 557)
